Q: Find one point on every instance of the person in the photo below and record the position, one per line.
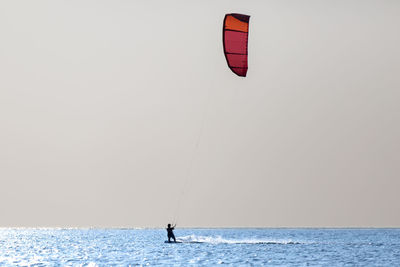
(171, 233)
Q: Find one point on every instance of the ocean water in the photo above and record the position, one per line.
(200, 247)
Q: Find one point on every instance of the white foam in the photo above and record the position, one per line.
(220, 240)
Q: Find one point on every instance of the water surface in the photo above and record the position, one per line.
(200, 247)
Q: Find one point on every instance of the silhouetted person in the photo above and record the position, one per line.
(170, 232)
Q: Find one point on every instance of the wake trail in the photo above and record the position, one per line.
(220, 240)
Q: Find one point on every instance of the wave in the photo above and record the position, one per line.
(220, 240)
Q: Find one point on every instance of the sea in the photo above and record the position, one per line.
(200, 247)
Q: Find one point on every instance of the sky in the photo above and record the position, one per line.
(124, 114)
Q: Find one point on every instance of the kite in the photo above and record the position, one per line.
(235, 36)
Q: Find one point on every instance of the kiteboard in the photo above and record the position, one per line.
(186, 242)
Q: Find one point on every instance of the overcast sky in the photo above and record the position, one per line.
(102, 104)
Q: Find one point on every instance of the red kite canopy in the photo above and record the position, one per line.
(235, 35)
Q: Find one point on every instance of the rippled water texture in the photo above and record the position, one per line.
(124, 247)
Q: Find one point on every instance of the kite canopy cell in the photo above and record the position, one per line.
(235, 36)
